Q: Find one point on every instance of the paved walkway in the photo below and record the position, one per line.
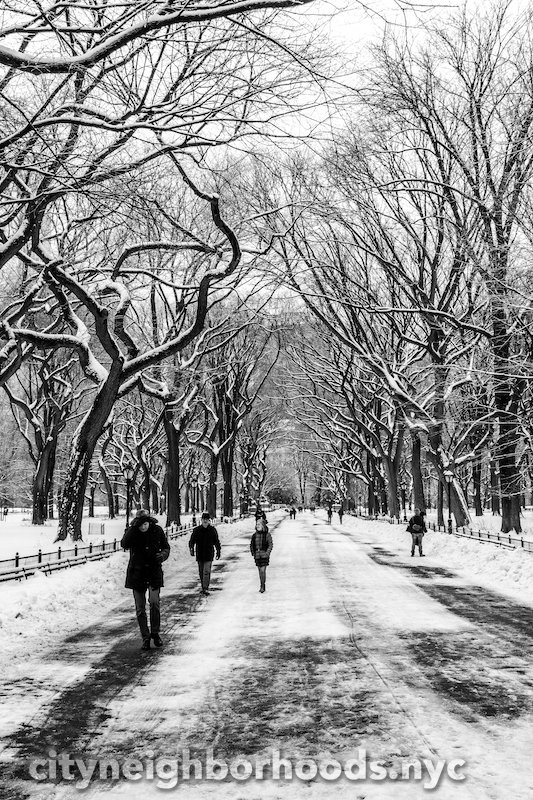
(353, 648)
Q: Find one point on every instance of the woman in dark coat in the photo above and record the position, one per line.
(260, 547)
(148, 547)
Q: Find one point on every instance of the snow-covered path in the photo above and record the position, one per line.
(353, 646)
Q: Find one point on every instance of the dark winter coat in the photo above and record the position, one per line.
(418, 519)
(204, 541)
(148, 550)
(261, 545)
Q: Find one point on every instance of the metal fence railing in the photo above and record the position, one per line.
(21, 567)
(507, 540)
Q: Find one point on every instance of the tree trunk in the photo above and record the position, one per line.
(212, 488)
(494, 488)
(42, 482)
(82, 451)
(440, 504)
(92, 492)
(51, 503)
(109, 492)
(416, 471)
(154, 491)
(476, 478)
(226, 466)
(173, 471)
(73, 496)
(509, 482)
(393, 503)
(145, 492)
(371, 499)
(507, 393)
(384, 506)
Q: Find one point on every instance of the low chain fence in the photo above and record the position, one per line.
(507, 540)
(21, 567)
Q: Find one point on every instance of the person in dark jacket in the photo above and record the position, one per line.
(148, 547)
(203, 543)
(417, 528)
(260, 547)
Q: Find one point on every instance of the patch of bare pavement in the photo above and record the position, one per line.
(350, 649)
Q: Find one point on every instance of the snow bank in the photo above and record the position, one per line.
(18, 535)
(500, 569)
(493, 522)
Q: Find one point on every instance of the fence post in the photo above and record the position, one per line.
(90, 547)
(17, 558)
(114, 544)
(59, 553)
(76, 549)
(40, 556)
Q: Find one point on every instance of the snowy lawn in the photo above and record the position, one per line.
(18, 535)
(490, 522)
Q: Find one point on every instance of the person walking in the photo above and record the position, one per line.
(340, 513)
(149, 547)
(203, 543)
(330, 513)
(417, 528)
(260, 547)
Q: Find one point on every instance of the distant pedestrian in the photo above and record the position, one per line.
(260, 547)
(203, 543)
(292, 512)
(330, 514)
(340, 513)
(417, 528)
(149, 547)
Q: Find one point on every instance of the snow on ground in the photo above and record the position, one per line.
(490, 522)
(499, 568)
(38, 612)
(353, 645)
(18, 535)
